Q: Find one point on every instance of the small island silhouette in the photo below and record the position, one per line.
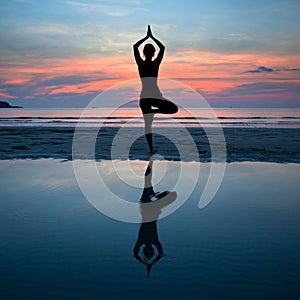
(4, 104)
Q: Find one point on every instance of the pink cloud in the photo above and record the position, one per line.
(214, 74)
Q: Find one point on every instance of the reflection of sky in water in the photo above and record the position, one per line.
(245, 243)
(165, 176)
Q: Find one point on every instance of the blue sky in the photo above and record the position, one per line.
(211, 46)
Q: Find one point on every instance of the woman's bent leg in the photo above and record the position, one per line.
(164, 106)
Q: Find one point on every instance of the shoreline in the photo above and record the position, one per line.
(279, 145)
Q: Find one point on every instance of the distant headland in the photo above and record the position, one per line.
(4, 104)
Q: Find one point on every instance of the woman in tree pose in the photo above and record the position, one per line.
(151, 98)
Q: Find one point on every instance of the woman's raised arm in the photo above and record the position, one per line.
(136, 52)
(161, 47)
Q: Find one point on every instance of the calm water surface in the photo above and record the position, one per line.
(244, 245)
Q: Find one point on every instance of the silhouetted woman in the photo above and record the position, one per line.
(151, 99)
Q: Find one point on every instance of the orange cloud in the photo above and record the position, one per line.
(209, 72)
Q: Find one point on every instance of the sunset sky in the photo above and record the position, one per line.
(235, 53)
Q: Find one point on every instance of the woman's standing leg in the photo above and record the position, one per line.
(148, 119)
(148, 115)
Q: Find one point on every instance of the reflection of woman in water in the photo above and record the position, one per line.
(152, 100)
(150, 210)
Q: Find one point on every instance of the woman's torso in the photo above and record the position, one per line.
(148, 71)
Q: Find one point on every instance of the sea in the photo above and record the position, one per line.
(224, 117)
(55, 243)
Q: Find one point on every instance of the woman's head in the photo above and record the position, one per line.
(149, 50)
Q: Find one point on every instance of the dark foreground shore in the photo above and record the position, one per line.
(243, 144)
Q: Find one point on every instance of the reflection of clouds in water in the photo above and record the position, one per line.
(164, 174)
(116, 199)
(39, 176)
(131, 173)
